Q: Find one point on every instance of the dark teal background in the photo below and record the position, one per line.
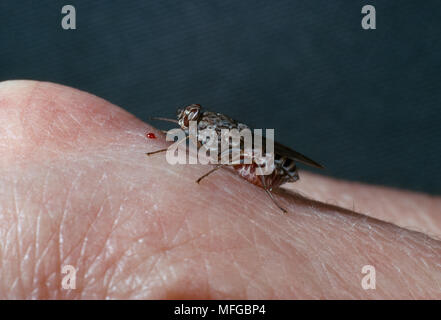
(367, 104)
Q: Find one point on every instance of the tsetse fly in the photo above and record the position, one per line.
(285, 169)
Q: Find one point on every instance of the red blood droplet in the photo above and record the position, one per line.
(150, 135)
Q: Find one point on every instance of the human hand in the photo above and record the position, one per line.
(77, 189)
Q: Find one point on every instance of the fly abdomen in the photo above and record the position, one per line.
(286, 166)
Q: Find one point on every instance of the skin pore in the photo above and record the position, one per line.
(77, 189)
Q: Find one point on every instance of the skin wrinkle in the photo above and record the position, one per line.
(43, 254)
(261, 270)
(61, 229)
(114, 226)
(207, 276)
(301, 233)
(105, 255)
(163, 254)
(38, 227)
(86, 241)
(115, 266)
(66, 205)
(110, 272)
(17, 236)
(63, 216)
(91, 224)
(150, 271)
(24, 247)
(276, 243)
(67, 255)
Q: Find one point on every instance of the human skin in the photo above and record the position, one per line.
(76, 188)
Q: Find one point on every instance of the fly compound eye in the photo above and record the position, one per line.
(192, 115)
(192, 112)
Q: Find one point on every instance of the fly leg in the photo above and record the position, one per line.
(268, 192)
(218, 166)
(157, 151)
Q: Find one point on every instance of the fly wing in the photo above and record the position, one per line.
(220, 121)
(287, 152)
(280, 149)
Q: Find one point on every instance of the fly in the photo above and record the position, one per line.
(285, 169)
